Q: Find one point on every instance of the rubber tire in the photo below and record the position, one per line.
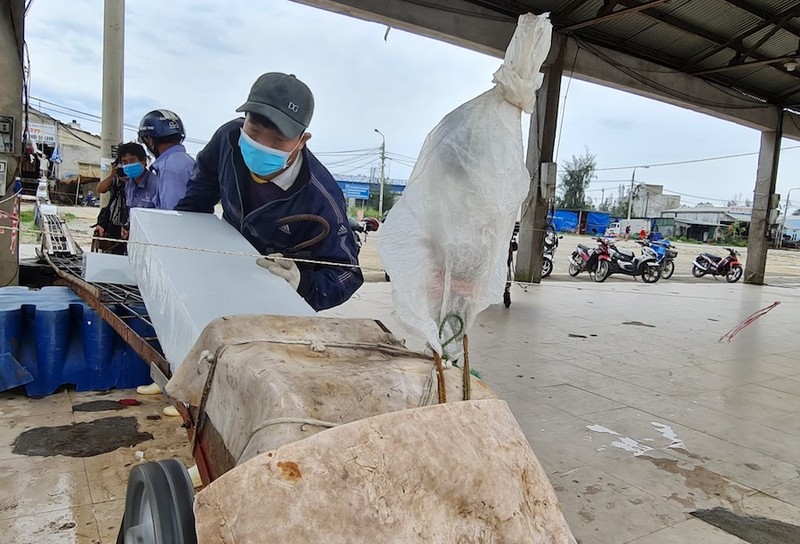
(547, 267)
(170, 497)
(698, 272)
(602, 272)
(735, 273)
(573, 270)
(669, 269)
(507, 299)
(647, 278)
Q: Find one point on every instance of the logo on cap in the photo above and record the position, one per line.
(294, 107)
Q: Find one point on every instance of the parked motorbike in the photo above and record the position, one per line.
(551, 239)
(666, 254)
(622, 261)
(728, 266)
(584, 258)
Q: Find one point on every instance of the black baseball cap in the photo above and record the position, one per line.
(284, 100)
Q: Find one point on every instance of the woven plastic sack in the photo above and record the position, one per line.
(445, 242)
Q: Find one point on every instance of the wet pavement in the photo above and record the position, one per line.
(639, 408)
(652, 426)
(64, 469)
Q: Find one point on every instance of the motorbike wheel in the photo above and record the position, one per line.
(734, 274)
(547, 267)
(507, 299)
(573, 270)
(602, 272)
(669, 269)
(698, 272)
(651, 274)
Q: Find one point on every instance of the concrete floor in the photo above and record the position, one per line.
(636, 410)
(68, 499)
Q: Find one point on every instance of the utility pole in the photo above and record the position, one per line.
(602, 197)
(12, 124)
(630, 193)
(383, 162)
(113, 85)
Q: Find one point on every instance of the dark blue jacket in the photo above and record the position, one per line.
(221, 175)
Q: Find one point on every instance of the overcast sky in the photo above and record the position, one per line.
(200, 57)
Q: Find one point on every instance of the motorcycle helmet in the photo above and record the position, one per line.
(160, 124)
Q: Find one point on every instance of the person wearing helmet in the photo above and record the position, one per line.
(277, 194)
(162, 132)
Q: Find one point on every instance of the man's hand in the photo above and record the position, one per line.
(125, 233)
(99, 231)
(281, 267)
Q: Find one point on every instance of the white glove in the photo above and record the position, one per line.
(282, 268)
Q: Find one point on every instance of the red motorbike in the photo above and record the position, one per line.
(585, 258)
(728, 266)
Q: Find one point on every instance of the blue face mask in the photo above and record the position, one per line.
(261, 159)
(133, 170)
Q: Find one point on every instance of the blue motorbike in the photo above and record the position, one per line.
(666, 253)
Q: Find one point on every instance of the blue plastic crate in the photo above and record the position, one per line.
(59, 339)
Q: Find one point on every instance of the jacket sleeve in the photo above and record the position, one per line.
(326, 286)
(202, 190)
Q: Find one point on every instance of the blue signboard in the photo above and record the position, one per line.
(359, 191)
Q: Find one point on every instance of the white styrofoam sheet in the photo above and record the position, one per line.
(188, 284)
(107, 268)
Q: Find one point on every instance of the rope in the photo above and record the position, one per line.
(285, 421)
(467, 386)
(213, 251)
(747, 322)
(437, 362)
(459, 331)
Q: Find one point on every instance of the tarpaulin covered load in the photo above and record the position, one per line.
(277, 379)
(460, 472)
(445, 242)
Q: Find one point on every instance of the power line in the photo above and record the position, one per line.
(675, 163)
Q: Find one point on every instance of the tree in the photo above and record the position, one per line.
(388, 198)
(578, 173)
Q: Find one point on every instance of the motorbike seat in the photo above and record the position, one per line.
(583, 247)
(625, 253)
(712, 258)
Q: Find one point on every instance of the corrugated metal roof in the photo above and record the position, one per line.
(679, 33)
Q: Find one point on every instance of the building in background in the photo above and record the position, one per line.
(65, 154)
(650, 200)
(705, 223)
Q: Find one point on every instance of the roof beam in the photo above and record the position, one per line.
(737, 42)
(752, 64)
(461, 23)
(744, 5)
(699, 32)
(614, 15)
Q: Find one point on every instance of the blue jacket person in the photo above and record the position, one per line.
(277, 194)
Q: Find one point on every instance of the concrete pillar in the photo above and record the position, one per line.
(11, 40)
(757, 240)
(541, 145)
(113, 84)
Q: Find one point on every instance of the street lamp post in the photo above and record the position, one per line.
(383, 161)
(630, 193)
(785, 212)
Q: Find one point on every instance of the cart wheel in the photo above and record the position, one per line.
(158, 505)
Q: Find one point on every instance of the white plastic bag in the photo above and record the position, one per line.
(445, 242)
